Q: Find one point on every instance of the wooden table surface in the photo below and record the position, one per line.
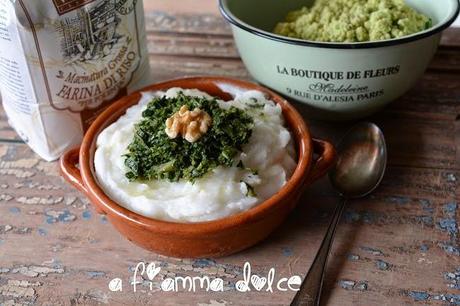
(399, 246)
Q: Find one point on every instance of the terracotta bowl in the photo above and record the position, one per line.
(206, 239)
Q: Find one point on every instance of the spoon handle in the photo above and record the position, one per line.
(310, 290)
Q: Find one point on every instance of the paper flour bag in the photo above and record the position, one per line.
(63, 61)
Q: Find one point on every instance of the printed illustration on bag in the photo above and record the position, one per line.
(99, 57)
(91, 35)
(63, 62)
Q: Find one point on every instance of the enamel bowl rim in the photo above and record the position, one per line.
(235, 21)
(304, 148)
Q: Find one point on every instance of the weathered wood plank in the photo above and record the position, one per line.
(386, 245)
(435, 93)
(451, 37)
(207, 24)
(184, 6)
(192, 45)
(162, 21)
(166, 66)
(412, 140)
(447, 60)
(6, 132)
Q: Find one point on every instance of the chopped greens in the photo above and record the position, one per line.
(251, 192)
(255, 104)
(152, 155)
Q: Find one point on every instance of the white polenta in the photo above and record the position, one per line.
(223, 191)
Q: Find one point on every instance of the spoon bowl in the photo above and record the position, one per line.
(361, 163)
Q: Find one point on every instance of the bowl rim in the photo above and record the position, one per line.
(294, 120)
(230, 17)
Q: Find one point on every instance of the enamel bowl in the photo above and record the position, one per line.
(205, 239)
(335, 80)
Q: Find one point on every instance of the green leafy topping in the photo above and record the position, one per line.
(152, 155)
(255, 103)
(251, 192)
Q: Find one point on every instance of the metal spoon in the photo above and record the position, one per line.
(359, 170)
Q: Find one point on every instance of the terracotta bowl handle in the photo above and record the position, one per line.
(70, 171)
(327, 157)
(72, 174)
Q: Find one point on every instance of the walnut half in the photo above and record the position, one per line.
(191, 125)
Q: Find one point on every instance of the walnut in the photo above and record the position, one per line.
(191, 125)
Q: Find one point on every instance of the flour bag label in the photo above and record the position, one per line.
(63, 61)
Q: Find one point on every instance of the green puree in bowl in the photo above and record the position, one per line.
(353, 21)
(152, 155)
